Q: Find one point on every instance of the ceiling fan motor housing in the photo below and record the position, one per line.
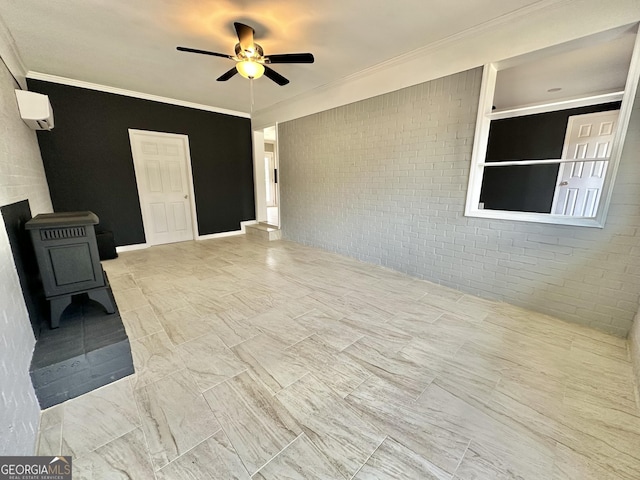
(256, 55)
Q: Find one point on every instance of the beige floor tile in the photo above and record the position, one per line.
(175, 417)
(614, 427)
(277, 324)
(184, 324)
(50, 441)
(213, 459)
(122, 282)
(141, 322)
(392, 460)
(300, 460)
(257, 424)
(569, 464)
(329, 329)
(205, 302)
(130, 299)
(387, 376)
(154, 357)
(398, 369)
(506, 445)
(50, 432)
(617, 352)
(124, 457)
(415, 324)
(166, 301)
(270, 362)
(333, 368)
(395, 412)
(156, 283)
(232, 330)
(259, 299)
(210, 361)
(393, 339)
(331, 424)
(98, 417)
(474, 313)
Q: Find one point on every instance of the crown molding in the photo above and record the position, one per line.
(130, 93)
(11, 56)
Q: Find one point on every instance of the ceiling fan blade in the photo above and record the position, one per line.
(227, 75)
(245, 36)
(203, 52)
(290, 58)
(275, 76)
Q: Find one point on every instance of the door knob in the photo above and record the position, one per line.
(185, 197)
(562, 184)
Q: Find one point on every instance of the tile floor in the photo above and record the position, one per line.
(278, 361)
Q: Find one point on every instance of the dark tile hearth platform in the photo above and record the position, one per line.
(91, 347)
(89, 350)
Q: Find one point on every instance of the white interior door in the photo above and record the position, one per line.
(162, 165)
(589, 138)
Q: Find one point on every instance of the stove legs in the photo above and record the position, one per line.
(101, 295)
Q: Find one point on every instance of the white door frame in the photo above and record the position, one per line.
(259, 188)
(273, 185)
(260, 194)
(192, 197)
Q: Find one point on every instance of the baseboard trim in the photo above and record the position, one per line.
(243, 225)
(242, 231)
(232, 233)
(130, 248)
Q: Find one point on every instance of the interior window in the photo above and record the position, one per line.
(550, 130)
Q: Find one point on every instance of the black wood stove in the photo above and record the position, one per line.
(67, 254)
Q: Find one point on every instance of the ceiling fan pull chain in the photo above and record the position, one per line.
(251, 83)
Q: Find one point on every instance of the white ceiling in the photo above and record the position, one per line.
(592, 65)
(131, 44)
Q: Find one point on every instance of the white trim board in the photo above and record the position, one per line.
(130, 93)
(243, 225)
(131, 248)
(541, 25)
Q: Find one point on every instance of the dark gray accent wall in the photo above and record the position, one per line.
(89, 166)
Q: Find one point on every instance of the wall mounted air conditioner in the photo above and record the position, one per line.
(35, 110)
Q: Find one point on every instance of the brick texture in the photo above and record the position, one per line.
(384, 180)
(21, 176)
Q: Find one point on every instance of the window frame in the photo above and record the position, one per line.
(481, 137)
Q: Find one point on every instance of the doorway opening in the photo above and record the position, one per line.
(271, 177)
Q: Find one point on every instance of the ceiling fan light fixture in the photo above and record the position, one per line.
(250, 69)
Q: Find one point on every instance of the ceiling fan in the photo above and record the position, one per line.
(251, 62)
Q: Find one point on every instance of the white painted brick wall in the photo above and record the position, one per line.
(21, 176)
(384, 180)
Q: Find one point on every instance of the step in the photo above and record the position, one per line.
(264, 231)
